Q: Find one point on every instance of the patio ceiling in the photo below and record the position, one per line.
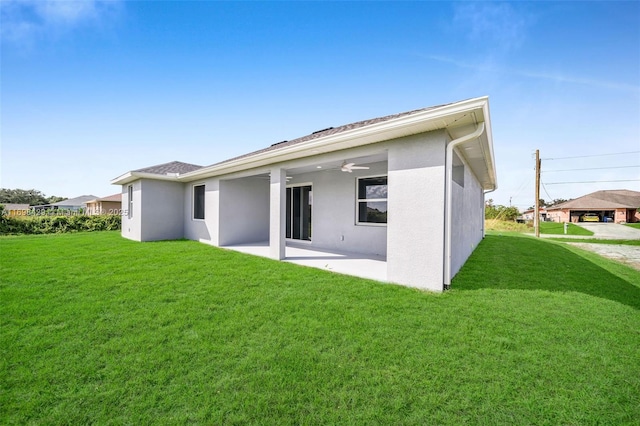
(336, 164)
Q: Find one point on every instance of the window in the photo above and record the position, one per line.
(130, 200)
(372, 200)
(198, 202)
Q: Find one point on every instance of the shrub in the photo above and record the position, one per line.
(58, 224)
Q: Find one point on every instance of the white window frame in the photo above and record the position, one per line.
(359, 200)
(193, 201)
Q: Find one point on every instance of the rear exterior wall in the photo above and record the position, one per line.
(161, 210)
(334, 224)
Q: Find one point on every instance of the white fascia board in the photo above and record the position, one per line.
(488, 153)
(486, 173)
(377, 132)
(133, 176)
(122, 179)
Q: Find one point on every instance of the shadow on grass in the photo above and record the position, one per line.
(525, 263)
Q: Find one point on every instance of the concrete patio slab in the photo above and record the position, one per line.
(355, 264)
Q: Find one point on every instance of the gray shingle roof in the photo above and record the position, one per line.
(331, 131)
(172, 167)
(181, 168)
(75, 202)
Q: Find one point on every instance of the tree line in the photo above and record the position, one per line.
(544, 203)
(32, 197)
(500, 212)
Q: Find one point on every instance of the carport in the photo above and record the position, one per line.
(603, 215)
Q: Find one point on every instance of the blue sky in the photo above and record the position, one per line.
(93, 89)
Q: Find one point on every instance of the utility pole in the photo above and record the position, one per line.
(536, 213)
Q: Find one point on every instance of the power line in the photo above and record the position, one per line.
(595, 181)
(520, 188)
(595, 155)
(545, 191)
(590, 168)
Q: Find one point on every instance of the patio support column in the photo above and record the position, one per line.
(277, 225)
(415, 226)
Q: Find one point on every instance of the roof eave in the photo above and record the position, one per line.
(429, 120)
(133, 176)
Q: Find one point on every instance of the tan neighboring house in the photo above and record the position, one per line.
(107, 205)
(16, 209)
(618, 206)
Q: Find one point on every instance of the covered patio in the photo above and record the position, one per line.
(359, 265)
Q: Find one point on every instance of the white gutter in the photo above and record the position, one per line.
(449, 198)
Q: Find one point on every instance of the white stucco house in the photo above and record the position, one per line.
(407, 187)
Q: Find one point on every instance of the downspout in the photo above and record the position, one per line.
(484, 199)
(449, 198)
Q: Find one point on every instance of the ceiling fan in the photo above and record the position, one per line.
(350, 167)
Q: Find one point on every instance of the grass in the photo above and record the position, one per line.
(555, 228)
(633, 225)
(545, 227)
(506, 226)
(98, 329)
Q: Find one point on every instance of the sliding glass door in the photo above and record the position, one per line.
(299, 201)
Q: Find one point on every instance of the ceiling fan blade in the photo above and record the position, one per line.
(349, 167)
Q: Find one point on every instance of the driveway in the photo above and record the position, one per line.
(629, 255)
(611, 231)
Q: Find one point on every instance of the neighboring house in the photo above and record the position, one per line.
(409, 187)
(107, 205)
(16, 209)
(619, 206)
(528, 215)
(71, 204)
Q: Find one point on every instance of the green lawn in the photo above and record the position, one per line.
(96, 329)
(633, 225)
(558, 228)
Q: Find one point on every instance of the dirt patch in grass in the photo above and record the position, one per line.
(627, 254)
